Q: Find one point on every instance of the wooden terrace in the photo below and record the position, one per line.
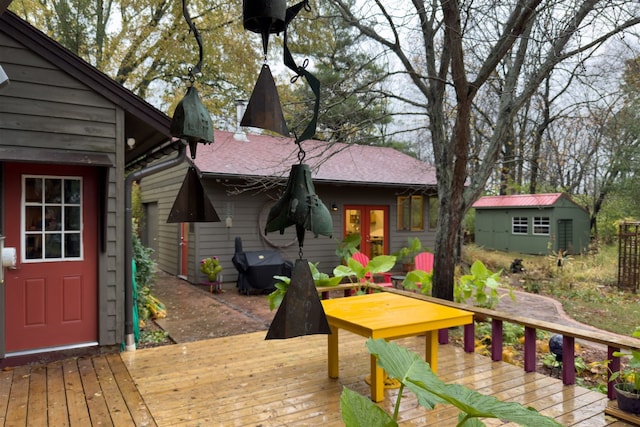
(244, 380)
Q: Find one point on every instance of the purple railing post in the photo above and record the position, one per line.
(443, 336)
(470, 338)
(568, 360)
(496, 340)
(529, 349)
(614, 366)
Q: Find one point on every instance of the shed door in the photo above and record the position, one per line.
(51, 220)
(565, 235)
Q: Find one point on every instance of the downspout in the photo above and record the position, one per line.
(130, 344)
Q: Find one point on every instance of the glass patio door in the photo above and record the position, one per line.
(372, 223)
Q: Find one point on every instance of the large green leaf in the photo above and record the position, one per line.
(417, 376)
(360, 411)
(381, 263)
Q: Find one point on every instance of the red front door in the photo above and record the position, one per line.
(51, 220)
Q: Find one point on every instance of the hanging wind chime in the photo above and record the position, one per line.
(300, 312)
(192, 123)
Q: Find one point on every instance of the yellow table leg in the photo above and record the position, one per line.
(377, 381)
(332, 352)
(431, 350)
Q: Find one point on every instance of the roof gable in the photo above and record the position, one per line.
(269, 156)
(148, 125)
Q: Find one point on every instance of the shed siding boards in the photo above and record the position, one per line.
(493, 228)
(46, 115)
(248, 212)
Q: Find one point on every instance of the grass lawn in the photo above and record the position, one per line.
(586, 285)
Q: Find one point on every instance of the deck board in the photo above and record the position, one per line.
(246, 381)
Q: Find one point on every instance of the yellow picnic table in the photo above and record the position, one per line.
(389, 316)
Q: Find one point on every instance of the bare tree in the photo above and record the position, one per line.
(433, 42)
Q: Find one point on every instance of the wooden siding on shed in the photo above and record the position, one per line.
(45, 110)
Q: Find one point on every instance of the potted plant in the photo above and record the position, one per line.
(348, 246)
(407, 254)
(319, 279)
(627, 388)
(212, 268)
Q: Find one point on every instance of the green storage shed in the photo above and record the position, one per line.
(532, 223)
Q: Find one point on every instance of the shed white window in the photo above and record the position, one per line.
(520, 225)
(51, 218)
(541, 225)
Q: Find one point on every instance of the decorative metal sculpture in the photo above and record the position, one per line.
(191, 121)
(300, 312)
(264, 111)
(300, 206)
(192, 203)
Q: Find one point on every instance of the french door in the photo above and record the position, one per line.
(372, 223)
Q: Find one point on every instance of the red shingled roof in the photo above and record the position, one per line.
(518, 200)
(262, 155)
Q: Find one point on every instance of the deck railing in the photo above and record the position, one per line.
(570, 334)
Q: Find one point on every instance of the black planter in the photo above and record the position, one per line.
(628, 398)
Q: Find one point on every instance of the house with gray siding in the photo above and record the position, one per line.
(378, 192)
(532, 223)
(68, 134)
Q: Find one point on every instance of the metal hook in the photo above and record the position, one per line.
(196, 33)
(301, 153)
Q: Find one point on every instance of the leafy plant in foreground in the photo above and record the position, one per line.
(416, 375)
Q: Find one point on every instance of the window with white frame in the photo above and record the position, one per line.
(520, 225)
(541, 225)
(51, 218)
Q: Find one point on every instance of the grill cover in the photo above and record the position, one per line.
(257, 268)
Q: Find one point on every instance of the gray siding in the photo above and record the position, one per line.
(248, 212)
(493, 229)
(45, 111)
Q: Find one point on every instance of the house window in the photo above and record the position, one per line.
(520, 225)
(51, 218)
(541, 225)
(433, 212)
(410, 213)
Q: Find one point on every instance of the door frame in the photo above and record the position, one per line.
(365, 226)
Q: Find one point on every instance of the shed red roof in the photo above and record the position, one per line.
(518, 200)
(262, 155)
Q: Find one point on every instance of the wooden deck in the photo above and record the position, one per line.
(244, 380)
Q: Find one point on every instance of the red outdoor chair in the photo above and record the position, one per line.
(364, 260)
(424, 261)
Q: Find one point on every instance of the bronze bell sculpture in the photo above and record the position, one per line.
(301, 312)
(264, 111)
(264, 17)
(192, 122)
(300, 206)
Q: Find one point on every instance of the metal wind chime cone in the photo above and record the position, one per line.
(263, 110)
(300, 206)
(300, 312)
(192, 203)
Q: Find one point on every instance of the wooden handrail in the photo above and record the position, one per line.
(614, 342)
